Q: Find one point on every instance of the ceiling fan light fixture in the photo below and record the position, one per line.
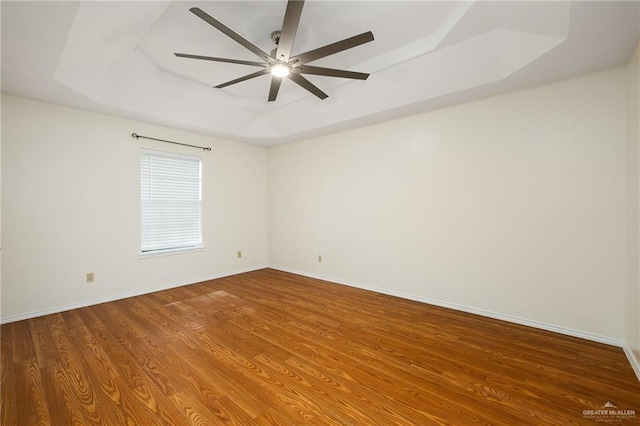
(279, 63)
(280, 70)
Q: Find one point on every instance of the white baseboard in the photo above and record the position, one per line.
(530, 323)
(91, 302)
(633, 360)
(544, 326)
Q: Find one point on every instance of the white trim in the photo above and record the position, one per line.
(169, 252)
(635, 363)
(530, 323)
(633, 360)
(86, 303)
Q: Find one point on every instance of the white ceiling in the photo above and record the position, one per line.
(117, 58)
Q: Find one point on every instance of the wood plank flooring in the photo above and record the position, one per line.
(271, 348)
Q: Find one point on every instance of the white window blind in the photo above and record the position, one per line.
(171, 200)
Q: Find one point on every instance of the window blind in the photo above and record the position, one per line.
(171, 201)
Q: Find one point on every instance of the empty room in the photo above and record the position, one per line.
(320, 212)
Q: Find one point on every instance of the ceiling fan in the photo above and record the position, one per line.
(279, 63)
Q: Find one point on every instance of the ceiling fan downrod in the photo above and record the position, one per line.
(275, 36)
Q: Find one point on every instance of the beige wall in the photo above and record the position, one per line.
(512, 206)
(632, 290)
(70, 189)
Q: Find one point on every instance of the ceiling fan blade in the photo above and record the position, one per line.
(230, 33)
(332, 48)
(330, 72)
(211, 58)
(289, 29)
(306, 84)
(275, 87)
(241, 79)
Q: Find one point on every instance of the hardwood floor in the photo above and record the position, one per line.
(271, 348)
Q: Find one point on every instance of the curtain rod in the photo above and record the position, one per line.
(204, 148)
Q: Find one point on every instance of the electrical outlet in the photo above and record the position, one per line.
(239, 254)
(319, 258)
(90, 277)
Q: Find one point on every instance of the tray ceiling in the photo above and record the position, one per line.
(117, 58)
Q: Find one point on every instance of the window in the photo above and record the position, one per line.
(171, 202)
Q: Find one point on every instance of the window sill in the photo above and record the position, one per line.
(172, 252)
